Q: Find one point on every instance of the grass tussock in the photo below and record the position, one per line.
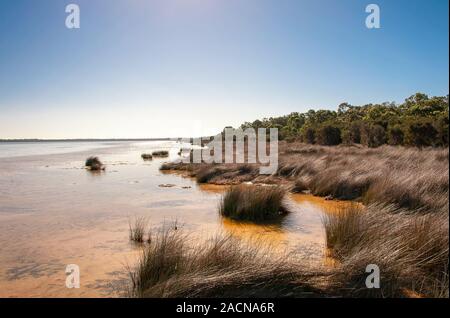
(137, 229)
(207, 174)
(147, 156)
(405, 177)
(254, 203)
(172, 266)
(300, 185)
(224, 174)
(160, 153)
(94, 164)
(215, 173)
(411, 250)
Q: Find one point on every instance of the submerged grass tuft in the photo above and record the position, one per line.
(94, 164)
(160, 153)
(137, 229)
(147, 156)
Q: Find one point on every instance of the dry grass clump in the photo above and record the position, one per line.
(147, 156)
(137, 229)
(94, 164)
(215, 173)
(205, 175)
(220, 267)
(254, 203)
(410, 249)
(300, 185)
(224, 173)
(340, 228)
(406, 177)
(177, 166)
(160, 153)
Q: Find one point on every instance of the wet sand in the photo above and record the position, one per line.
(53, 213)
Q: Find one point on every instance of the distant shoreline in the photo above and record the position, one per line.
(85, 140)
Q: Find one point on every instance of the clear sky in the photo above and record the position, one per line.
(157, 68)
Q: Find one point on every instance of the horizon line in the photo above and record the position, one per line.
(84, 139)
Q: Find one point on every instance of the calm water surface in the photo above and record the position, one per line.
(53, 212)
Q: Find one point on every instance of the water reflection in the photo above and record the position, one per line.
(271, 234)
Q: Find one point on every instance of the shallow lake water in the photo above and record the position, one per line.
(53, 213)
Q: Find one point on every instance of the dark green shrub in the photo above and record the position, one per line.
(329, 136)
(421, 134)
(373, 135)
(309, 136)
(396, 136)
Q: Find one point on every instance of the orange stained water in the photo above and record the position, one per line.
(53, 213)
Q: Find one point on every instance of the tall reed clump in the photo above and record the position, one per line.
(160, 153)
(410, 249)
(94, 164)
(137, 229)
(254, 203)
(219, 267)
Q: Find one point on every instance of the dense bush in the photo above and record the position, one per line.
(329, 136)
(352, 135)
(373, 135)
(396, 136)
(309, 136)
(421, 121)
(421, 134)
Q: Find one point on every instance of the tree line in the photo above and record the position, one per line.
(420, 121)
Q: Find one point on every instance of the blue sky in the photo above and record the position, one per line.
(154, 68)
